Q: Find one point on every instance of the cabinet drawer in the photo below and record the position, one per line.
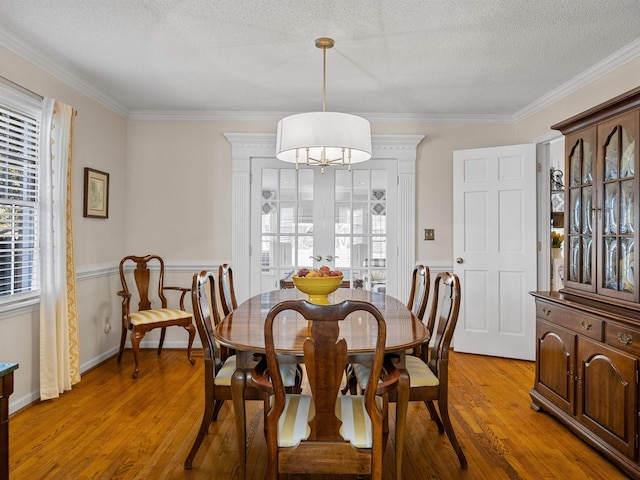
(581, 323)
(623, 337)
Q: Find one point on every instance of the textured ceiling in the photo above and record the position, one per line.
(477, 58)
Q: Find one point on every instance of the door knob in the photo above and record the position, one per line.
(330, 258)
(317, 258)
(459, 260)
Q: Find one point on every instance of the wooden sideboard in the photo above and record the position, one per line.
(587, 362)
(6, 389)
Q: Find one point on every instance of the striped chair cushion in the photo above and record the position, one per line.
(420, 374)
(293, 424)
(362, 374)
(356, 424)
(155, 316)
(223, 377)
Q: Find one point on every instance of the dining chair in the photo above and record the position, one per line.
(219, 367)
(418, 299)
(229, 304)
(429, 372)
(324, 432)
(147, 318)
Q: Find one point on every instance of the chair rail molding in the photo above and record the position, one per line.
(245, 146)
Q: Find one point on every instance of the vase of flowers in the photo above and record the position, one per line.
(556, 244)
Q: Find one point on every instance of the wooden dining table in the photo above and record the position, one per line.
(243, 330)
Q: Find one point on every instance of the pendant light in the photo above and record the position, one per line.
(323, 138)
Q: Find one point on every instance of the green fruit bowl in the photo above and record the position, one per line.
(317, 288)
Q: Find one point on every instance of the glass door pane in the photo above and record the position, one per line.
(309, 219)
(580, 212)
(619, 211)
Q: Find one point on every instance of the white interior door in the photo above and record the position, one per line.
(339, 218)
(495, 250)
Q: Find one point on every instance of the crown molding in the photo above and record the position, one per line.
(41, 61)
(621, 57)
(411, 118)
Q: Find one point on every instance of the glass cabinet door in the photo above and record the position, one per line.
(579, 248)
(618, 231)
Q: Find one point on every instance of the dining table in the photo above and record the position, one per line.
(243, 330)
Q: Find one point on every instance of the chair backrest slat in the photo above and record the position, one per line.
(205, 313)
(443, 317)
(419, 296)
(142, 278)
(227, 292)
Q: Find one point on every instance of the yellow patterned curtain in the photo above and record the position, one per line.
(59, 346)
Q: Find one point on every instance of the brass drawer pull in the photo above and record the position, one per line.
(546, 310)
(585, 325)
(625, 338)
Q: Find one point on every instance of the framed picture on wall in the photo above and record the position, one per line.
(96, 193)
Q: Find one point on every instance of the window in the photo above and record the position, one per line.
(20, 115)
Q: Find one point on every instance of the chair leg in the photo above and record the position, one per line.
(123, 338)
(216, 409)
(162, 334)
(434, 415)
(210, 415)
(192, 334)
(444, 414)
(136, 337)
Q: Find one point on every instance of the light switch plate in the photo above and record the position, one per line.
(429, 234)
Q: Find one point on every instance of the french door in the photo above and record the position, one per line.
(339, 218)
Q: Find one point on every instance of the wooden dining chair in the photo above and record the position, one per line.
(418, 299)
(218, 367)
(324, 432)
(429, 372)
(147, 318)
(229, 304)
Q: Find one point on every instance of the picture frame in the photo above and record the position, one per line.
(96, 193)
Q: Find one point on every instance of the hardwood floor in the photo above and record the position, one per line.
(112, 427)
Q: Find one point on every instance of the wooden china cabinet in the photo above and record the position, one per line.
(588, 334)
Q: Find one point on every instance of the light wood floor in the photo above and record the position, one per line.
(112, 427)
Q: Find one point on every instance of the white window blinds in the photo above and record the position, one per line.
(19, 208)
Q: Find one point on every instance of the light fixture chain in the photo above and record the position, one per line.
(324, 79)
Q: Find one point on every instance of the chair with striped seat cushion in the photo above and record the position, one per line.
(219, 367)
(227, 296)
(429, 373)
(325, 432)
(418, 299)
(147, 318)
